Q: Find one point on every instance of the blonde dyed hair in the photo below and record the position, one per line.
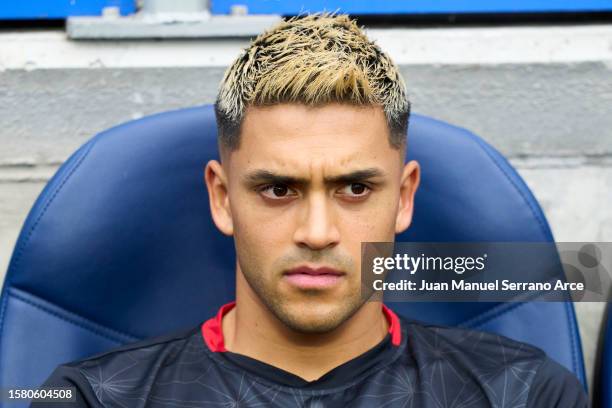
(314, 60)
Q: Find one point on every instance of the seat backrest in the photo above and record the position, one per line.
(603, 379)
(120, 244)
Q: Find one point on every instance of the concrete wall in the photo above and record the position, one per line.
(543, 96)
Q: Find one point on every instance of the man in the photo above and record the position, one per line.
(312, 123)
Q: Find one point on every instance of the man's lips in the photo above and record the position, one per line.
(314, 271)
(305, 277)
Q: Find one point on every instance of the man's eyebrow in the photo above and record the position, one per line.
(267, 176)
(355, 176)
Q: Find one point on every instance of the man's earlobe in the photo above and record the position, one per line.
(218, 197)
(409, 183)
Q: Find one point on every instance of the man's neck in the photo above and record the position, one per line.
(251, 330)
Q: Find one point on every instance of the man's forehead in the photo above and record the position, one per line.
(295, 122)
(306, 165)
(307, 161)
(296, 139)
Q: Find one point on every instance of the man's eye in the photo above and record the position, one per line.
(355, 190)
(276, 191)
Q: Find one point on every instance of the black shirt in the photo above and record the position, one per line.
(416, 365)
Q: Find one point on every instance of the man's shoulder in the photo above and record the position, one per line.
(121, 375)
(485, 348)
(143, 349)
(138, 359)
(495, 362)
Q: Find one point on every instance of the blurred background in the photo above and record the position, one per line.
(532, 77)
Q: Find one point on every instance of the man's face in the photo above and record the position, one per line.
(305, 188)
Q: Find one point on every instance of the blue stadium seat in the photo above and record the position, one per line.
(120, 245)
(603, 381)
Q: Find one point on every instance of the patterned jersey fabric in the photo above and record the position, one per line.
(416, 365)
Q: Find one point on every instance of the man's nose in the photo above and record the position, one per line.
(317, 227)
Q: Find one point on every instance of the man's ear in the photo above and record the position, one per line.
(409, 183)
(218, 197)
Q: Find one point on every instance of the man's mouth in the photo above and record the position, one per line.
(305, 277)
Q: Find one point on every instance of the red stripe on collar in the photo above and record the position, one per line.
(212, 329)
(394, 325)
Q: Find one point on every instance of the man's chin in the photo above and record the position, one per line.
(312, 317)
